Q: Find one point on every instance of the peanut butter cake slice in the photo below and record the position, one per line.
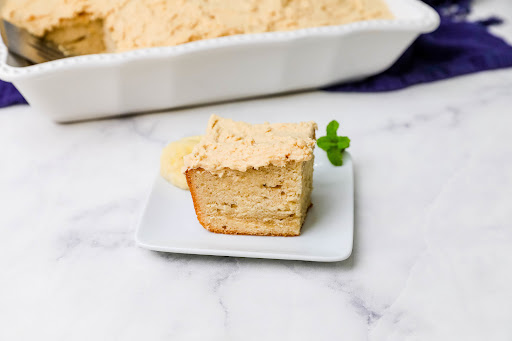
(252, 179)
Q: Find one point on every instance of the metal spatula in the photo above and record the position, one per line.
(23, 44)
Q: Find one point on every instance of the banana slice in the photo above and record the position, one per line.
(171, 160)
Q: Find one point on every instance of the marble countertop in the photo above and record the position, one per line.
(432, 253)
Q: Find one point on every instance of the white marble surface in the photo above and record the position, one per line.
(433, 245)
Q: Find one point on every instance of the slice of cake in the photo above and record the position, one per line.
(252, 179)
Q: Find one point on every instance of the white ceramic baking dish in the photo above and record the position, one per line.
(103, 85)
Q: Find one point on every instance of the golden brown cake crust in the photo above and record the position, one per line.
(202, 221)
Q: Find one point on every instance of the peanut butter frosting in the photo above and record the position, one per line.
(133, 24)
(240, 146)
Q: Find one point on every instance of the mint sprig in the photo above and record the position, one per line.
(333, 144)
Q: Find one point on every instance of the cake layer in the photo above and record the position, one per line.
(272, 200)
(79, 36)
(288, 227)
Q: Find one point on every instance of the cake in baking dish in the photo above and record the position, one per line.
(96, 26)
(252, 179)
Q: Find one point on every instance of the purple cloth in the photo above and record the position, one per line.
(9, 95)
(458, 47)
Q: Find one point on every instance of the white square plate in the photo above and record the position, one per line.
(169, 222)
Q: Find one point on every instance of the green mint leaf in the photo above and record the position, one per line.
(332, 129)
(335, 155)
(333, 144)
(326, 143)
(343, 142)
